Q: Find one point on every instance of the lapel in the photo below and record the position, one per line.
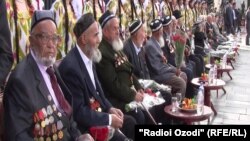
(157, 45)
(41, 85)
(83, 70)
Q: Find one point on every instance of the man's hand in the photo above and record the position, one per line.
(117, 112)
(178, 72)
(139, 96)
(116, 121)
(85, 137)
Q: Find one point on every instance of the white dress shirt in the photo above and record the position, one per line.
(89, 65)
(46, 78)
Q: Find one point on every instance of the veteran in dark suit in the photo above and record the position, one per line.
(35, 107)
(6, 59)
(115, 71)
(159, 69)
(78, 72)
(134, 50)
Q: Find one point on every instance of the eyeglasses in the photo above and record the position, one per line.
(45, 38)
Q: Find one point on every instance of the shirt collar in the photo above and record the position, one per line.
(137, 49)
(41, 66)
(85, 59)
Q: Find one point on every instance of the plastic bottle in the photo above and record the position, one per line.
(215, 74)
(224, 60)
(211, 75)
(200, 100)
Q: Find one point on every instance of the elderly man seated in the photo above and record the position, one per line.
(159, 69)
(135, 52)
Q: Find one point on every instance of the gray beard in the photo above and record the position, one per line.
(117, 44)
(161, 41)
(96, 56)
(46, 61)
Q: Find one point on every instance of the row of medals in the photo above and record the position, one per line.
(46, 128)
(119, 60)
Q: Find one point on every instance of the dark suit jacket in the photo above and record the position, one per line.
(116, 79)
(159, 70)
(26, 93)
(229, 19)
(75, 75)
(6, 58)
(138, 61)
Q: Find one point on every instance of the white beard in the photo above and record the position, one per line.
(117, 44)
(96, 56)
(46, 61)
(161, 42)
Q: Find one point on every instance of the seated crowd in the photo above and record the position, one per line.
(91, 86)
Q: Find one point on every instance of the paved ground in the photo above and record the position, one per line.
(234, 106)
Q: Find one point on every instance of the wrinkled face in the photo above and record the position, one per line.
(111, 31)
(140, 35)
(91, 36)
(90, 41)
(44, 41)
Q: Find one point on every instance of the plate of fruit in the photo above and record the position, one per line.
(188, 105)
(203, 78)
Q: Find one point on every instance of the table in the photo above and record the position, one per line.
(221, 70)
(207, 88)
(189, 117)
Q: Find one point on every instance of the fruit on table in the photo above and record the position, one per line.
(188, 103)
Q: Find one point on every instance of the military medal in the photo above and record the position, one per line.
(60, 135)
(59, 114)
(54, 107)
(46, 121)
(54, 137)
(35, 118)
(41, 139)
(51, 119)
(47, 130)
(48, 139)
(49, 97)
(41, 132)
(49, 110)
(40, 115)
(37, 126)
(44, 112)
(43, 124)
(99, 109)
(53, 128)
(59, 125)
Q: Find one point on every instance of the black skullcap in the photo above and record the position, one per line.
(155, 25)
(177, 14)
(105, 18)
(166, 20)
(83, 24)
(41, 15)
(135, 26)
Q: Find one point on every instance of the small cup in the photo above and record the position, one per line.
(174, 104)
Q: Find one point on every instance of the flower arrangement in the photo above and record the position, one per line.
(179, 39)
